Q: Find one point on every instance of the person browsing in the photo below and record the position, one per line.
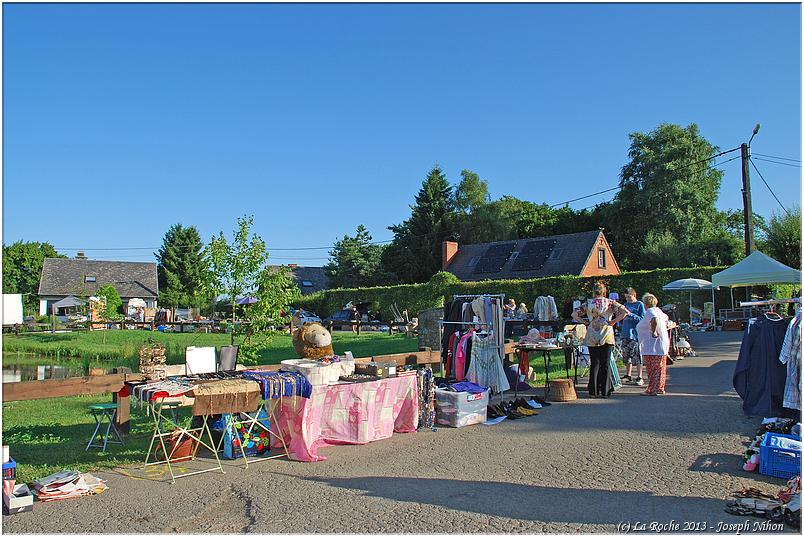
(630, 339)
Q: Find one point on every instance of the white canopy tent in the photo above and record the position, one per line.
(692, 284)
(756, 269)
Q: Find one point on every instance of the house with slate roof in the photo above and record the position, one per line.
(579, 254)
(309, 279)
(82, 277)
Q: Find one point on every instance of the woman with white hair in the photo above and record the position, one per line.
(654, 344)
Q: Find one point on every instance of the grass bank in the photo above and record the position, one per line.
(121, 347)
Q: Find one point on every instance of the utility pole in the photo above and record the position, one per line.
(748, 214)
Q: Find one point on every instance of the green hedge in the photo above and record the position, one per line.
(418, 297)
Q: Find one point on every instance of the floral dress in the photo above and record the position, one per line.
(600, 312)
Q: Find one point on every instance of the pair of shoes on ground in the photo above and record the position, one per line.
(510, 409)
(652, 393)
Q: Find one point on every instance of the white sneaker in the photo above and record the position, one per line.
(639, 381)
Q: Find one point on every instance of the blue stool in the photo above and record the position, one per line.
(101, 412)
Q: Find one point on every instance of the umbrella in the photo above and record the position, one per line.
(68, 302)
(248, 300)
(691, 284)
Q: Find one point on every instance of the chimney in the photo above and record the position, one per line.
(80, 255)
(448, 251)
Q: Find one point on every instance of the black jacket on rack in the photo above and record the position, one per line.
(759, 376)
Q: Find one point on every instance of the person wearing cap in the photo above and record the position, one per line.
(629, 342)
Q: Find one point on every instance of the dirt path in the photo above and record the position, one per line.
(577, 467)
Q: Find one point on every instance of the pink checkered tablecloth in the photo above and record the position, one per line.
(355, 413)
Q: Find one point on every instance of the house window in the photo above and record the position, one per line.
(556, 254)
(89, 279)
(307, 283)
(601, 258)
(474, 260)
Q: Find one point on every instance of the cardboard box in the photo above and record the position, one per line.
(19, 502)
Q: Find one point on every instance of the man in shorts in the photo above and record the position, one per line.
(629, 343)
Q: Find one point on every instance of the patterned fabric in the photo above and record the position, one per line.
(630, 352)
(426, 389)
(348, 414)
(657, 373)
(163, 388)
(277, 384)
(486, 367)
(600, 312)
(791, 355)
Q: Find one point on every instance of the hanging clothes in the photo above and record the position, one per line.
(791, 356)
(759, 377)
(544, 309)
(486, 367)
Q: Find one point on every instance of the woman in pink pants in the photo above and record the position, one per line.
(654, 344)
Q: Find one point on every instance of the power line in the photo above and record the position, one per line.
(778, 158)
(767, 185)
(780, 163)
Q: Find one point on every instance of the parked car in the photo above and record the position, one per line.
(302, 317)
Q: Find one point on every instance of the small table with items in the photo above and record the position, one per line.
(357, 412)
(524, 351)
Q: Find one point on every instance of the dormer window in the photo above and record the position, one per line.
(307, 283)
(89, 279)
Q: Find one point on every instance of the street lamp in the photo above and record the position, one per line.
(756, 130)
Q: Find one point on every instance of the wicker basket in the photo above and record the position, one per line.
(562, 390)
(152, 361)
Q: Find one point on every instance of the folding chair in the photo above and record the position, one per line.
(107, 411)
(228, 361)
(200, 360)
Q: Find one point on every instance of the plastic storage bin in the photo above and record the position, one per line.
(459, 409)
(778, 461)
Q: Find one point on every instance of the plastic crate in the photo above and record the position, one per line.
(10, 469)
(779, 462)
(459, 409)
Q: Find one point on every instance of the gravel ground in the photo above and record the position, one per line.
(587, 466)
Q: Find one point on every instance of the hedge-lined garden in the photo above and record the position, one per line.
(418, 297)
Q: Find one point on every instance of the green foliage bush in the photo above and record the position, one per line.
(418, 297)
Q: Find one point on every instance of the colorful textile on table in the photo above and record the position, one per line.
(348, 414)
(255, 440)
(277, 384)
(225, 397)
(164, 388)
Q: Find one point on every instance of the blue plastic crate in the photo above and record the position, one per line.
(10, 469)
(779, 462)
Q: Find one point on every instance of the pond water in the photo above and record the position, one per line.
(18, 368)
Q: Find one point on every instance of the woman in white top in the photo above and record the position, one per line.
(654, 344)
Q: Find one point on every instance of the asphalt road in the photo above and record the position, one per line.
(586, 466)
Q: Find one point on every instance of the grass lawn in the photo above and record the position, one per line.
(121, 347)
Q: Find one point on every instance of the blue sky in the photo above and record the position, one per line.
(120, 120)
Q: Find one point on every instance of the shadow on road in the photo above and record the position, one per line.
(526, 502)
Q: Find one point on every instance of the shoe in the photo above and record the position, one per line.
(648, 393)
(627, 378)
(491, 413)
(540, 400)
(639, 381)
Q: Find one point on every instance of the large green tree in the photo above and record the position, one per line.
(667, 187)
(181, 268)
(414, 255)
(22, 269)
(355, 262)
(471, 193)
(784, 238)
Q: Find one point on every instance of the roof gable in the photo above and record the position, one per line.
(69, 277)
(569, 255)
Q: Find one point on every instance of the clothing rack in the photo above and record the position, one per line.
(772, 302)
(441, 321)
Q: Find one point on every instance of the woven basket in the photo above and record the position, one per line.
(562, 390)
